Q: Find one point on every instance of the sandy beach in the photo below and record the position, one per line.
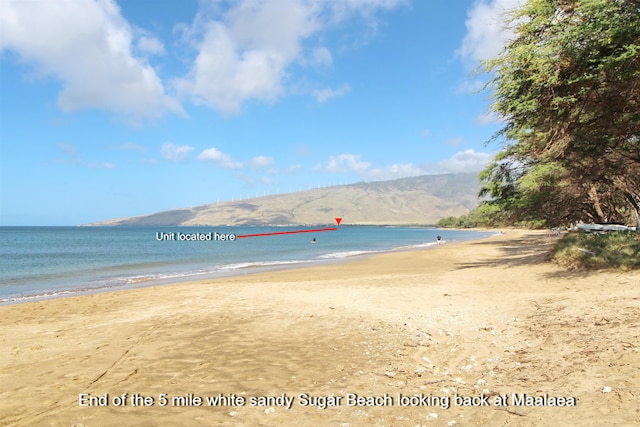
(475, 333)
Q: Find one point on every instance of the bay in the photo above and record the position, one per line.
(45, 262)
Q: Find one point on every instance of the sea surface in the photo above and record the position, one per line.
(46, 262)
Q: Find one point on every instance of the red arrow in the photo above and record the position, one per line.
(286, 232)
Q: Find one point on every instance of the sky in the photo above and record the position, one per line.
(116, 108)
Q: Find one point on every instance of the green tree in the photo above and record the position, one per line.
(568, 86)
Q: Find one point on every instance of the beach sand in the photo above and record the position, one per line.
(488, 317)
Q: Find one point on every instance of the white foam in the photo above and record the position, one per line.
(417, 246)
(346, 254)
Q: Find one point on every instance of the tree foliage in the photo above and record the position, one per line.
(615, 250)
(483, 216)
(568, 86)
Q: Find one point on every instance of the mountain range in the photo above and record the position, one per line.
(420, 200)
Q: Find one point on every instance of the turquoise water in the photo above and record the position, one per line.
(41, 262)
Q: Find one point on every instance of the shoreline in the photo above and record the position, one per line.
(220, 273)
(479, 318)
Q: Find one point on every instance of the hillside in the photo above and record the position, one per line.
(416, 200)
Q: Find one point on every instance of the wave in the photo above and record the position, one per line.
(43, 295)
(135, 262)
(416, 246)
(346, 254)
(144, 279)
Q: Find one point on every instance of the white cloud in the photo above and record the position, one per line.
(150, 45)
(222, 78)
(260, 162)
(87, 45)
(175, 153)
(96, 165)
(245, 49)
(321, 57)
(395, 171)
(465, 161)
(323, 95)
(341, 10)
(219, 158)
(245, 53)
(425, 133)
(346, 162)
(486, 29)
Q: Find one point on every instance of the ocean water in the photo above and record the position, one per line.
(45, 262)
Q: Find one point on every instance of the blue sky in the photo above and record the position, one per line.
(120, 108)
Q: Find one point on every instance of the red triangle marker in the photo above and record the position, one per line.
(338, 220)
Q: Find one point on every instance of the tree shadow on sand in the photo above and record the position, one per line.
(530, 249)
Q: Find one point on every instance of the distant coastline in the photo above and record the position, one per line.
(416, 201)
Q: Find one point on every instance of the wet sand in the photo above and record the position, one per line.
(352, 344)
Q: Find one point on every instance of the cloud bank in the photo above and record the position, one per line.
(463, 161)
(244, 53)
(487, 33)
(88, 46)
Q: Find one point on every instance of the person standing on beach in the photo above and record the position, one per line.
(438, 239)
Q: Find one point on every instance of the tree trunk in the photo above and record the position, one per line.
(635, 207)
(593, 193)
